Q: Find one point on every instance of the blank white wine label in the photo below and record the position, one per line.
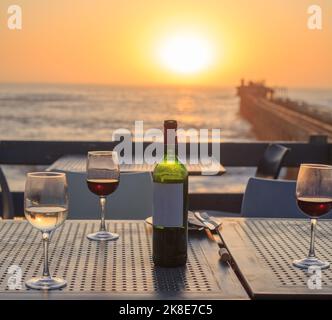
(168, 204)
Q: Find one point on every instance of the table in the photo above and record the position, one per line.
(113, 270)
(263, 250)
(77, 163)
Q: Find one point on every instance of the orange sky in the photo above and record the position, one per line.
(115, 41)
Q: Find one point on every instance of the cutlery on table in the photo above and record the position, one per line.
(213, 225)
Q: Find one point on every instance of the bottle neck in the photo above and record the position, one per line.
(170, 145)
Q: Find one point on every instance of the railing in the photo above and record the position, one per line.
(237, 154)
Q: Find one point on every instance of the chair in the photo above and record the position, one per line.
(132, 199)
(268, 167)
(266, 198)
(7, 199)
(270, 164)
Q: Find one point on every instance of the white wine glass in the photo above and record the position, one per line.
(46, 208)
(103, 177)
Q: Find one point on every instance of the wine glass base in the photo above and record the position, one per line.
(46, 283)
(311, 262)
(103, 236)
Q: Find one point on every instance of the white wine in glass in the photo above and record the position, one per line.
(46, 218)
(46, 208)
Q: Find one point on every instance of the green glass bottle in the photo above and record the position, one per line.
(170, 200)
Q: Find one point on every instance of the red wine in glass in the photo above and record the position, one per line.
(314, 198)
(102, 187)
(103, 177)
(315, 207)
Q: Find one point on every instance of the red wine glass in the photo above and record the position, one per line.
(103, 176)
(314, 198)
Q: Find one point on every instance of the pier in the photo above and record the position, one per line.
(274, 118)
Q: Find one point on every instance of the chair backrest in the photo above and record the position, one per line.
(266, 198)
(131, 200)
(7, 199)
(270, 164)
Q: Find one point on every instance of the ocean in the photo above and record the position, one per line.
(92, 112)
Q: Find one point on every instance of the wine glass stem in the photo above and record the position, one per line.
(312, 239)
(46, 271)
(102, 205)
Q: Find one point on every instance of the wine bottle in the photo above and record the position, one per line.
(170, 202)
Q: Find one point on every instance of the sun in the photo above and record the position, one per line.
(186, 53)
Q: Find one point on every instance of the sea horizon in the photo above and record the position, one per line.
(83, 112)
(165, 85)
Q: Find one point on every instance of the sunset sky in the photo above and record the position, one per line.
(136, 42)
